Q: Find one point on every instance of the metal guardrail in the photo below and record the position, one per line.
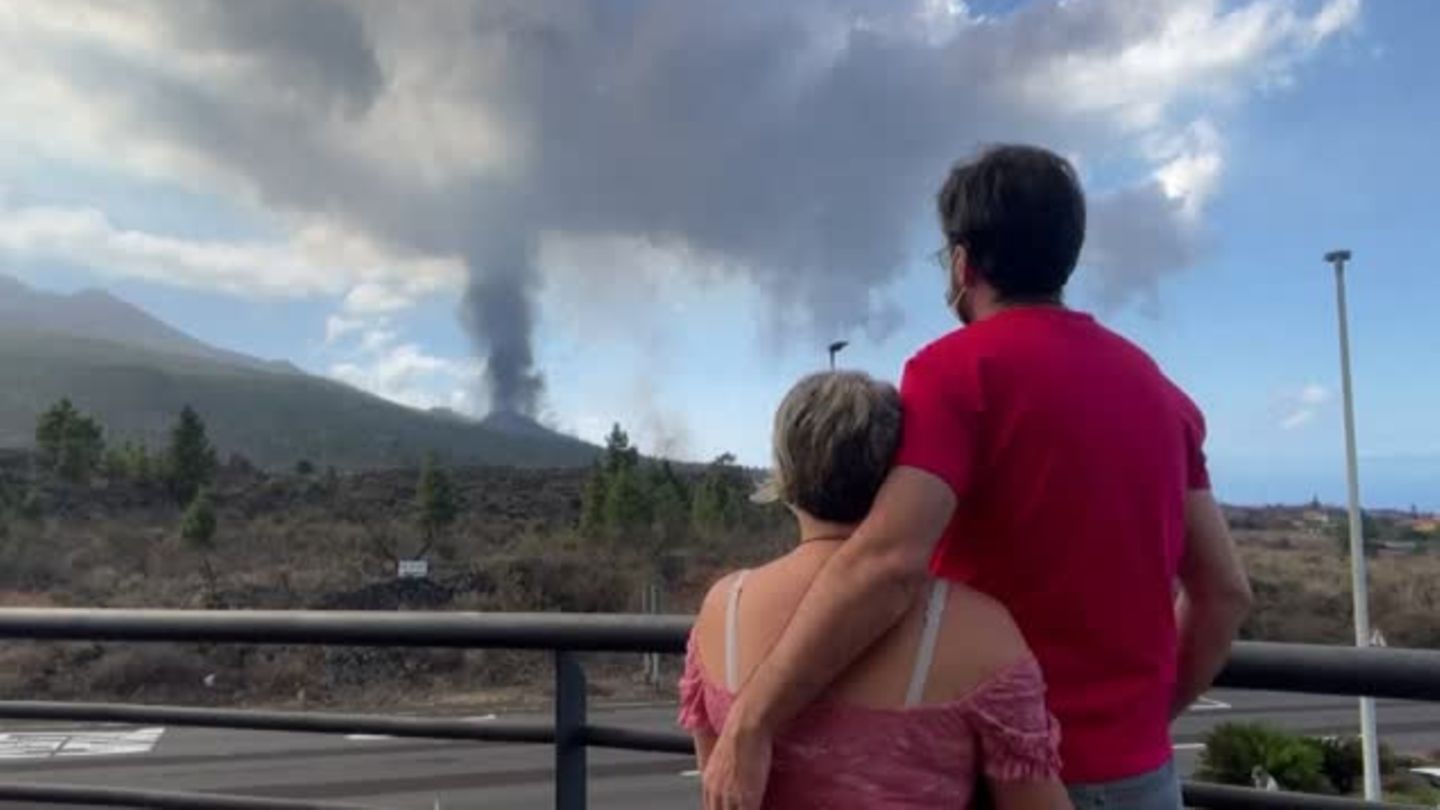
(1392, 673)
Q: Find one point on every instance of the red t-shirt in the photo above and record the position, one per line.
(1070, 454)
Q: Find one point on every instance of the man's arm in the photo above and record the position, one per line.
(863, 591)
(1214, 599)
(704, 744)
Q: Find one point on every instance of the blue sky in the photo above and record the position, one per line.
(1308, 132)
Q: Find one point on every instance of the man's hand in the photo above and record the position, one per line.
(737, 771)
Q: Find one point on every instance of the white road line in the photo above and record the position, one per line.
(1189, 746)
(689, 774)
(47, 744)
(1208, 704)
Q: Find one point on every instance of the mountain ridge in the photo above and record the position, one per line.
(97, 313)
(135, 372)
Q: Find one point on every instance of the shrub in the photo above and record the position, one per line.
(1234, 750)
(130, 672)
(1343, 761)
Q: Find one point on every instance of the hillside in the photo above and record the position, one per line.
(98, 315)
(322, 541)
(135, 373)
(332, 540)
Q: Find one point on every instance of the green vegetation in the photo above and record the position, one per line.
(649, 506)
(197, 529)
(1239, 753)
(70, 443)
(190, 462)
(436, 501)
(720, 499)
(132, 461)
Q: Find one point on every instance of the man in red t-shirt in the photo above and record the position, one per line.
(1050, 463)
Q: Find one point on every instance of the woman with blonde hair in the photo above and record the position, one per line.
(950, 696)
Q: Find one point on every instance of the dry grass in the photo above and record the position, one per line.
(289, 542)
(292, 542)
(1303, 594)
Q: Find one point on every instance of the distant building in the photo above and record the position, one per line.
(1426, 525)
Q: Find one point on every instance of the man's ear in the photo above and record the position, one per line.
(961, 272)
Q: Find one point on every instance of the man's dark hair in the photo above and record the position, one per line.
(1020, 215)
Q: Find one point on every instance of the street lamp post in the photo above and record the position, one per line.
(835, 349)
(1369, 744)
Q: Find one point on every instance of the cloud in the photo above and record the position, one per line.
(792, 144)
(315, 261)
(1297, 419)
(338, 327)
(1301, 407)
(1313, 394)
(405, 373)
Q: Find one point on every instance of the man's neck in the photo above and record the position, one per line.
(989, 306)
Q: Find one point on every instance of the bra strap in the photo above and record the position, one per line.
(929, 634)
(732, 634)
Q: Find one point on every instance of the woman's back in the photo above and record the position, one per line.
(911, 724)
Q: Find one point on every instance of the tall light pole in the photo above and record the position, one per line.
(835, 349)
(1368, 742)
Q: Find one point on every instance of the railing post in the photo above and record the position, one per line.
(570, 778)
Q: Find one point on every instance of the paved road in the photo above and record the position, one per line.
(413, 774)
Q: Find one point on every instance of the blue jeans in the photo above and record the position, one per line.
(1156, 790)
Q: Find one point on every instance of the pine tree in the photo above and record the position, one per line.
(190, 463)
(70, 443)
(435, 499)
(671, 504)
(627, 504)
(718, 500)
(619, 453)
(592, 506)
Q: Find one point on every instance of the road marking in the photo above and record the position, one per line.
(47, 744)
(689, 774)
(1207, 704)
(479, 718)
(1189, 746)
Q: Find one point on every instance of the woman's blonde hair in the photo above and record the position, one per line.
(835, 438)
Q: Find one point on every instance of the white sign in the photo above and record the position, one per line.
(414, 569)
(1377, 639)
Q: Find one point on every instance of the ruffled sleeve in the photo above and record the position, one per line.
(693, 716)
(1019, 738)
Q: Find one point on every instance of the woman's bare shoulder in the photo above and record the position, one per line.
(712, 607)
(980, 637)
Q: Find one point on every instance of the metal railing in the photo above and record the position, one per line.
(1391, 673)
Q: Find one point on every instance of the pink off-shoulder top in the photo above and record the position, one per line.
(842, 756)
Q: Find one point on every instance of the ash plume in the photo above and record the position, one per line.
(799, 142)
